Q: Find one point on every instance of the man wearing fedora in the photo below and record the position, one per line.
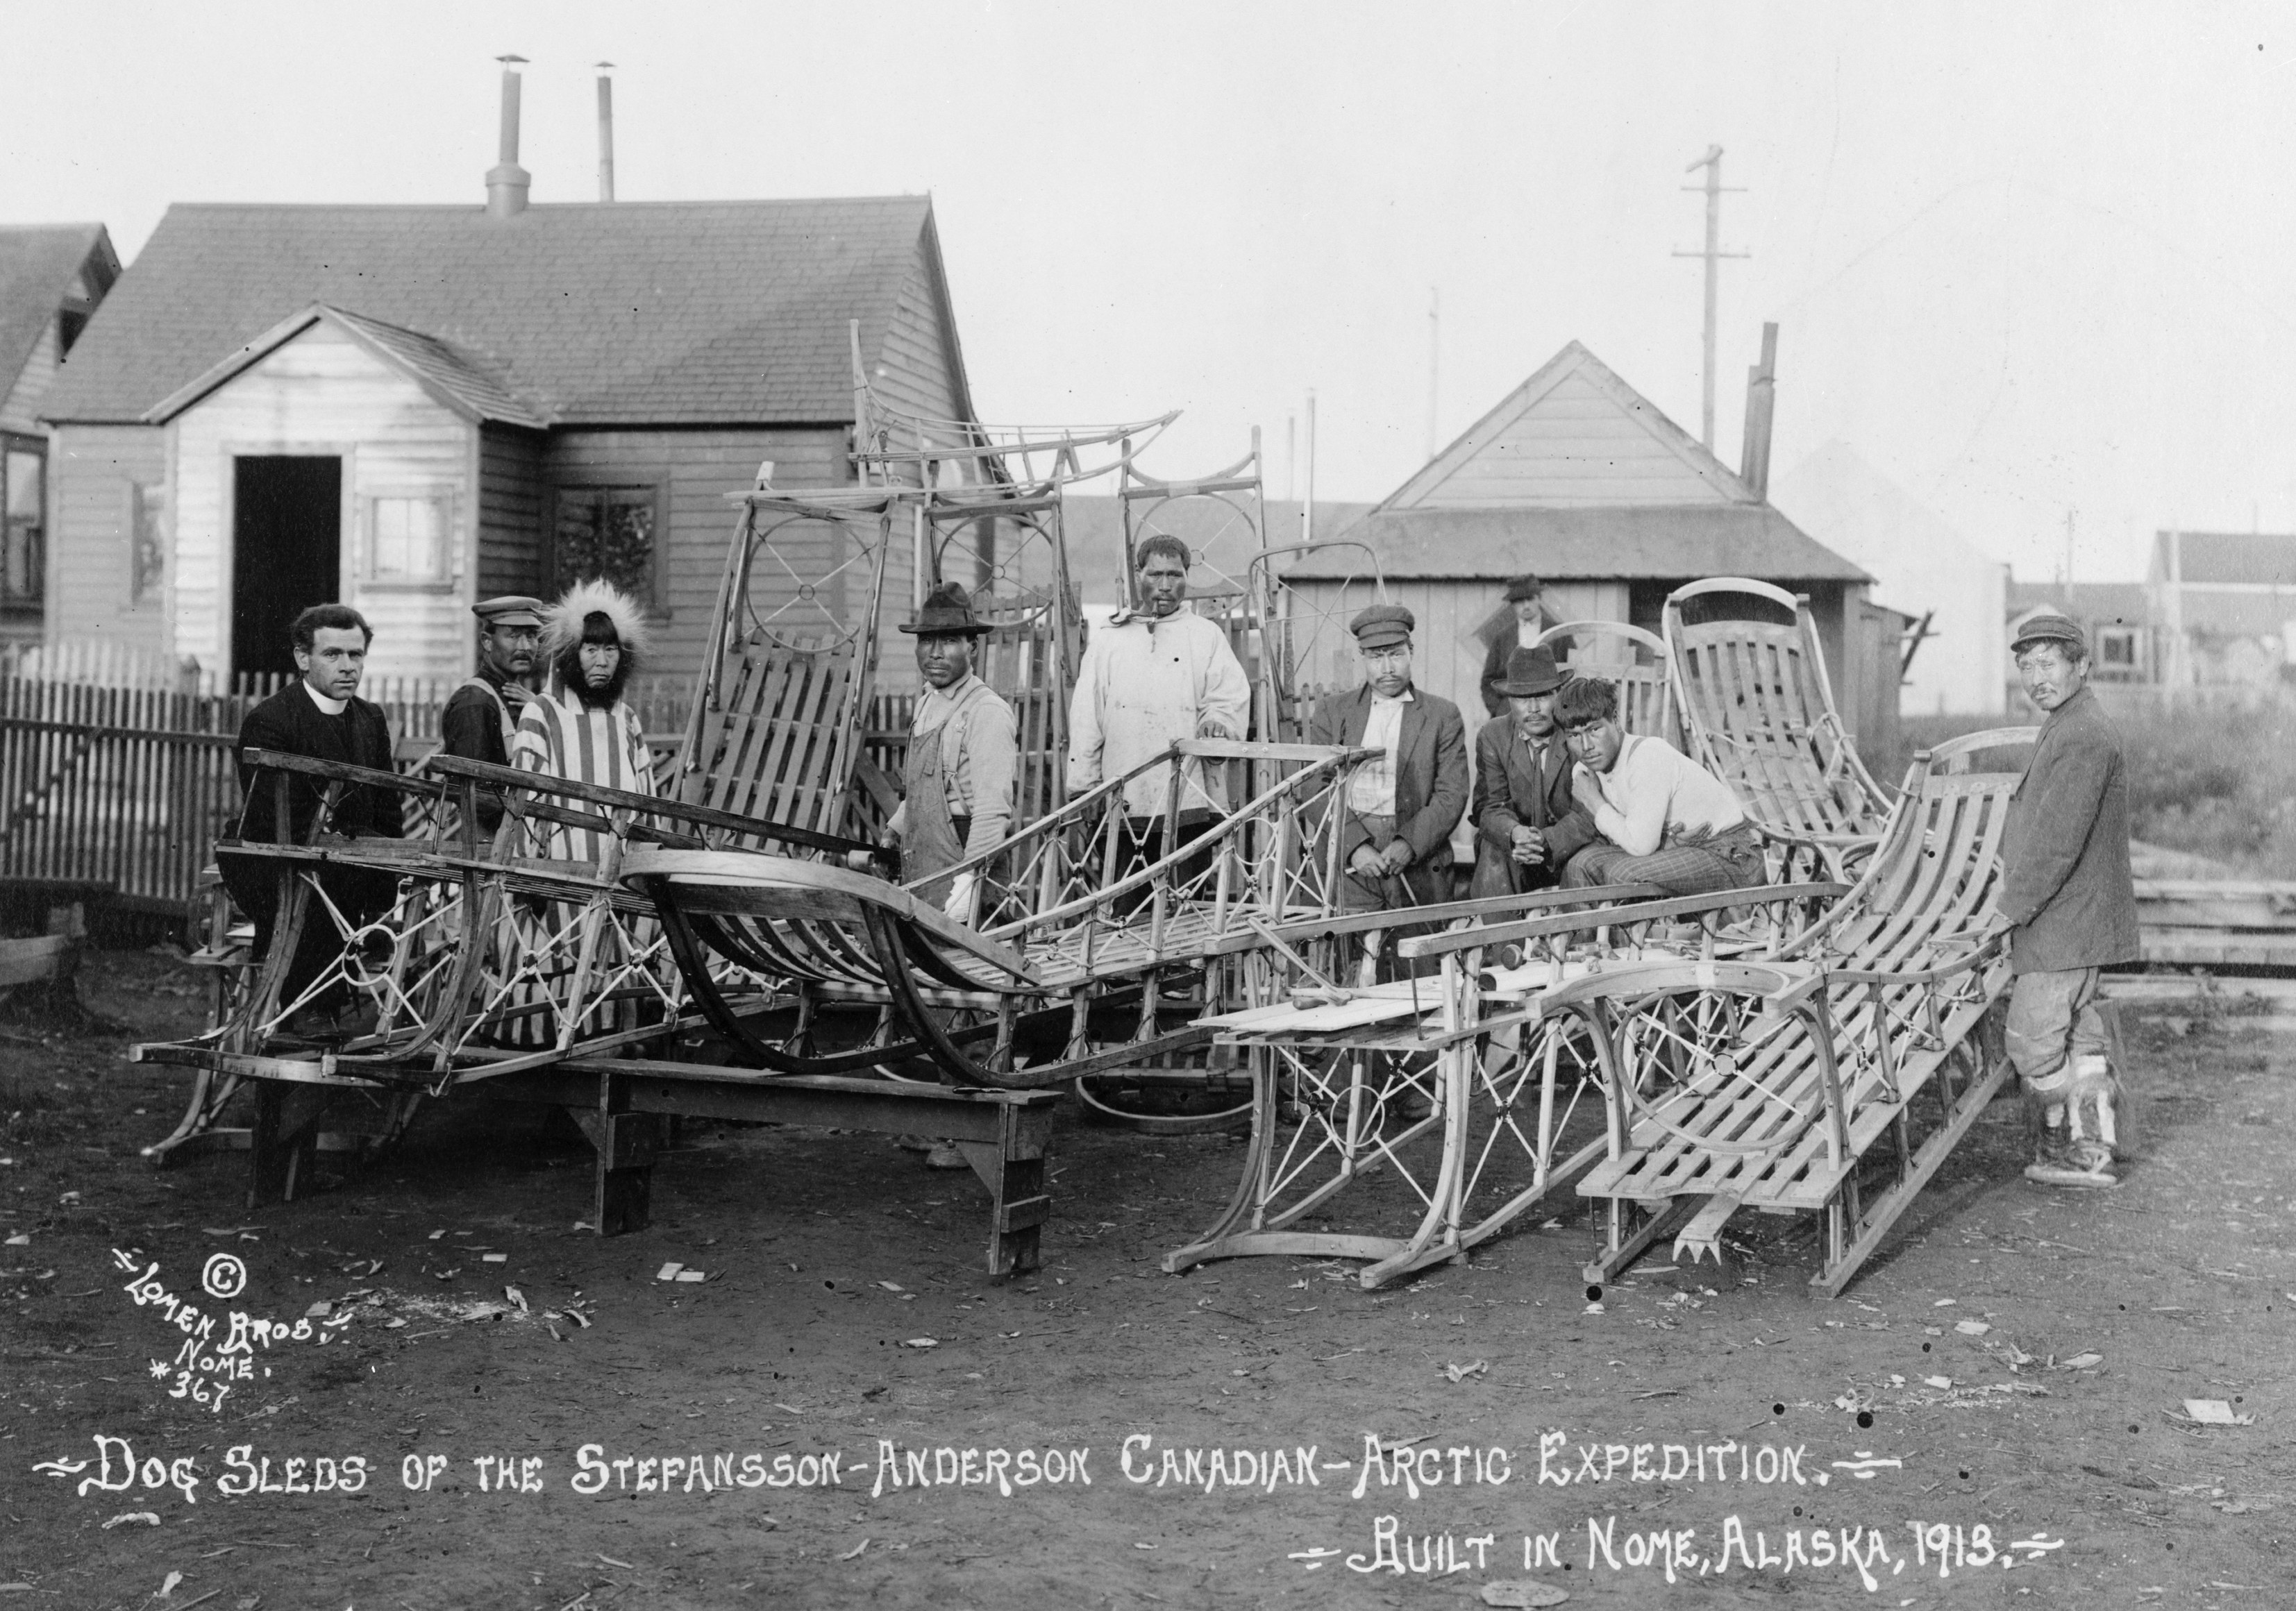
(481, 717)
(1526, 598)
(1396, 817)
(956, 794)
(1528, 824)
(2069, 906)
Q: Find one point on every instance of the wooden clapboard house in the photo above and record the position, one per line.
(411, 408)
(1578, 478)
(51, 277)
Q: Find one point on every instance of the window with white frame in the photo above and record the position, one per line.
(2116, 648)
(409, 538)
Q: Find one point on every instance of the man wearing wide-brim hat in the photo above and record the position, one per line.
(1528, 824)
(956, 794)
(1525, 619)
(2070, 904)
(1398, 810)
(481, 715)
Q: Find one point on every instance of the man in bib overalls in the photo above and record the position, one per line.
(482, 714)
(957, 788)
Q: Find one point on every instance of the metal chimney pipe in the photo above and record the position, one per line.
(605, 132)
(506, 181)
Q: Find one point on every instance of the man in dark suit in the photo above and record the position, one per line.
(1527, 615)
(320, 716)
(1526, 822)
(1397, 812)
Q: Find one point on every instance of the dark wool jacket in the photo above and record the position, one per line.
(2064, 852)
(290, 722)
(1430, 780)
(1507, 796)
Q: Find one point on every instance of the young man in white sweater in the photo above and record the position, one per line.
(1664, 819)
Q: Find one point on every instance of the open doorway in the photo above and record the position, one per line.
(287, 545)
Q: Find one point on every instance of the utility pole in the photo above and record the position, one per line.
(2069, 561)
(1713, 254)
(1308, 503)
(1434, 363)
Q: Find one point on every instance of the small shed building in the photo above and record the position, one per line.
(51, 277)
(1578, 479)
(411, 408)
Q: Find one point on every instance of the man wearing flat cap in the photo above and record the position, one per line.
(956, 796)
(481, 715)
(1400, 809)
(2069, 905)
(1527, 618)
(1528, 824)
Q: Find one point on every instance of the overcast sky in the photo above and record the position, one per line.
(2026, 259)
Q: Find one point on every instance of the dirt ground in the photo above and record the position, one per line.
(828, 1255)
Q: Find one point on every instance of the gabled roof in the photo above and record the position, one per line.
(2218, 558)
(2120, 603)
(634, 314)
(1573, 436)
(1668, 542)
(457, 380)
(38, 263)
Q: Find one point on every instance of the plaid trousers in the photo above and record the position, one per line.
(1729, 860)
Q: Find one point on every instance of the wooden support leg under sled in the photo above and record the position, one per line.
(618, 1103)
(283, 1140)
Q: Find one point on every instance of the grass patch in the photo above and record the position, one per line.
(2217, 782)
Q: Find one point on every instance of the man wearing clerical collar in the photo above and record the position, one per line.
(320, 716)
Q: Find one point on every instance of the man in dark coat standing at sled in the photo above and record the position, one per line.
(481, 715)
(2069, 905)
(1527, 821)
(321, 716)
(1397, 812)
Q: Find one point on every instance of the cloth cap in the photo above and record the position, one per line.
(947, 609)
(1383, 624)
(2048, 629)
(511, 609)
(1531, 671)
(1523, 587)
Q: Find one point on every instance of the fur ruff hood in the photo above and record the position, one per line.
(562, 623)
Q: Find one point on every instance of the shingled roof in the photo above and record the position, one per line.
(38, 263)
(1575, 476)
(684, 313)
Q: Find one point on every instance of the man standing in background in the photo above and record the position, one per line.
(2069, 905)
(1526, 598)
(481, 715)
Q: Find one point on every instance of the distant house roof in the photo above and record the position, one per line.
(38, 264)
(460, 381)
(2211, 557)
(1575, 475)
(683, 312)
(1573, 435)
(2123, 604)
(1666, 542)
(1094, 531)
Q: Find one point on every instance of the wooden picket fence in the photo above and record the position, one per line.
(120, 789)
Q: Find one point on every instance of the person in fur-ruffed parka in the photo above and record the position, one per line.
(581, 728)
